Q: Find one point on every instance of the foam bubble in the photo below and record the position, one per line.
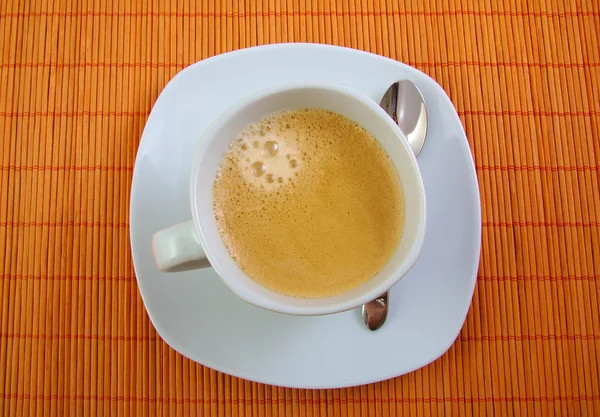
(271, 148)
(258, 168)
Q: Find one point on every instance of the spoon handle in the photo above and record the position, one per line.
(375, 312)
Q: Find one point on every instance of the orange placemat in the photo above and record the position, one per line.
(77, 81)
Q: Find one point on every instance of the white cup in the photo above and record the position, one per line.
(186, 244)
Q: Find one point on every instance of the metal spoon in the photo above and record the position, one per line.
(404, 103)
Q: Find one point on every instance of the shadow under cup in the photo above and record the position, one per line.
(351, 104)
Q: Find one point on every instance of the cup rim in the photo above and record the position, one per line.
(341, 306)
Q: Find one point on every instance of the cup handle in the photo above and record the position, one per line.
(177, 248)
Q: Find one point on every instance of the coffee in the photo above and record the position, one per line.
(308, 203)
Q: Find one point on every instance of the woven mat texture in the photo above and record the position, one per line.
(77, 82)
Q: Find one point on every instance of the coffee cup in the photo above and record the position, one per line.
(198, 241)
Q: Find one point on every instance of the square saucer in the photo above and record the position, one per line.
(197, 315)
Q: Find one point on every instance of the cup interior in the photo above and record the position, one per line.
(349, 103)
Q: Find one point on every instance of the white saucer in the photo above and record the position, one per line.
(197, 315)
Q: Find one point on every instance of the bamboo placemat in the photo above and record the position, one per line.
(77, 81)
